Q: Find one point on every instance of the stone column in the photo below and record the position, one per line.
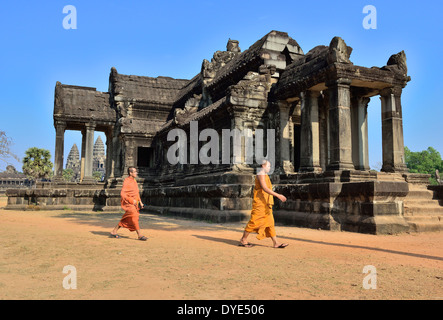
(109, 153)
(310, 133)
(89, 147)
(285, 137)
(323, 130)
(392, 131)
(82, 155)
(60, 127)
(360, 151)
(340, 143)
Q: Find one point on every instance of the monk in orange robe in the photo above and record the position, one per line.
(262, 219)
(131, 203)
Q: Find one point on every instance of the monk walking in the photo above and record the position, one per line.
(131, 203)
(262, 219)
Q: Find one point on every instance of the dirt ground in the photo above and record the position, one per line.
(184, 259)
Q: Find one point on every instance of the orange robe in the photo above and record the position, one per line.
(128, 194)
(262, 219)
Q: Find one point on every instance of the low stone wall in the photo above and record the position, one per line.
(367, 207)
(387, 205)
(70, 196)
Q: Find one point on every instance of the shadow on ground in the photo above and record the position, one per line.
(167, 223)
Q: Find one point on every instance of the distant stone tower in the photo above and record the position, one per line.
(99, 157)
(73, 162)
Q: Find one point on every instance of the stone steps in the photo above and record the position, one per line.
(421, 201)
(425, 223)
(422, 211)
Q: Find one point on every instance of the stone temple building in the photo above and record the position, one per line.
(314, 102)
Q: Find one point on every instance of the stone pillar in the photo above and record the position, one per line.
(89, 147)
(82, 155)
(285, 137)
(392, 131)
(340, 143)
(310, 133)
(323, 130)
(360, 151)
(60, 127)
(109, 153)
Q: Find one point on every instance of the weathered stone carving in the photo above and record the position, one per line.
(232, 46)
(437, 177)
(339, 51)
(397, 62)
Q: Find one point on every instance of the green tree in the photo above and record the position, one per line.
(426, 161)
(37, 164)
(97, 175)
(68, 174)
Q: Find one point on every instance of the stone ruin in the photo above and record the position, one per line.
(317, 103)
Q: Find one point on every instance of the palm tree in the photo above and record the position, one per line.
(37, 163)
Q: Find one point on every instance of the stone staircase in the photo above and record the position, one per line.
(422, 211)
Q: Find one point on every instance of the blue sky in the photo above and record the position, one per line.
(171, 38)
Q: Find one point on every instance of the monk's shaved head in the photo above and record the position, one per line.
(264, 162)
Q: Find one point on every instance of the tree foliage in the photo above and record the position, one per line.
(97, 175)
(68, 175)
(5, 152)
(37, 163)
(426, 161)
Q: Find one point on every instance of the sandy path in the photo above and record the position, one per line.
(186, 259)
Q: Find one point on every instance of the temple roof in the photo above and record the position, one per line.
(81, 104)
(226, 69)
(161, 90)
(324, 63)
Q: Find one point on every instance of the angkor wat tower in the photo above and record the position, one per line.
(315, 105)
(73, 162)
(99, 157)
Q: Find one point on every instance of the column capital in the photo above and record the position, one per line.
(365, 101)
(313, 93)
(283, 105)
(338, 82)
(361, 101)
(60, 124)
(396, 91)
(90, 125)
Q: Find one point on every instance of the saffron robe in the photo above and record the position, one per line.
(262, 219)
(129, 193)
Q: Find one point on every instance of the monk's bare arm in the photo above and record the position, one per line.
(262, 180)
